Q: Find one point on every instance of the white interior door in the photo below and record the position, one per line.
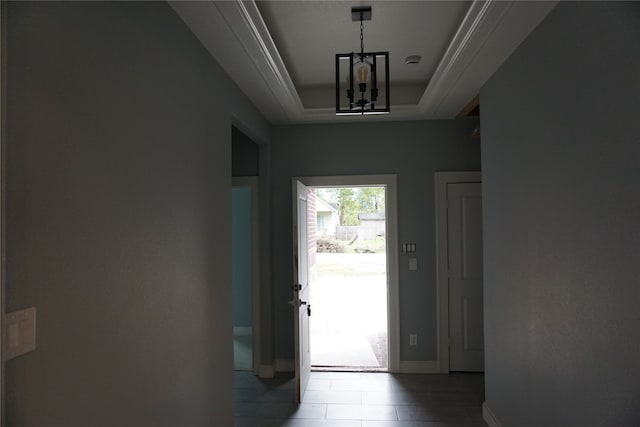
(301, 288)
(466, 331)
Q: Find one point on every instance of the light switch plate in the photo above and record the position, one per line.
(413, 263)
(19, 334)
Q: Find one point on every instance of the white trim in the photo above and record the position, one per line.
(237, 37)
(285, 365)
(442, 250)
(266, 371)
(328, 115)
(235, 34)
(419, 367)
(252, 182)
(215, 32)
(489, 417)
(488, 35)
(391, 206)
(3, 40)
(246, 22)
(477, 21)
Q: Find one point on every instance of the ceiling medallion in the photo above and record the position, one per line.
(358, 76)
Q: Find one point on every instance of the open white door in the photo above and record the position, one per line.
(301, 308)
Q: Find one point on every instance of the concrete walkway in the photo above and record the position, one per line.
(349, 311)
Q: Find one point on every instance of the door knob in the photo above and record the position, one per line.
(297, 302)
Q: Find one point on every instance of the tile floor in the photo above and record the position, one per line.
(350, 399)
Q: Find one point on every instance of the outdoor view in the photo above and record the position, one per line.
(348, 327)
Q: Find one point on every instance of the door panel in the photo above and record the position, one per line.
(301, 289)
(473, 337)
(471, 205)
(464, 228)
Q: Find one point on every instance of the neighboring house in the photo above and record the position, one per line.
(372, 225)
(326, 218)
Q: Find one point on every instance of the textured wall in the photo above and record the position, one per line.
(561, 185)
(118, 228)
(413, 151)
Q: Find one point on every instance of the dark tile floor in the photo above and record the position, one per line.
(350, 399)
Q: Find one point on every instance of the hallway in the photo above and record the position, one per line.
(349, 399)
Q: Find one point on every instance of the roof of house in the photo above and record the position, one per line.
(376, 216)
(324, 206)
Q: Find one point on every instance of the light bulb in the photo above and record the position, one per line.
(363, 73)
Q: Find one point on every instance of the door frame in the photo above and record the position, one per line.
(252, 182)
(301, 287)
(391, 220)
(3, 41)
(442, 179)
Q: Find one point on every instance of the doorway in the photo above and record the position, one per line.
(460, 287)
(350, 265)
(305, 268)
(245, 274)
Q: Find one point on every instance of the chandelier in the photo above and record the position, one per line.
(359, 75)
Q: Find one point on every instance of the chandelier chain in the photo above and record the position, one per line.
(361, 39)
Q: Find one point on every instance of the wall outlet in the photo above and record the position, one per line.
(413, 339)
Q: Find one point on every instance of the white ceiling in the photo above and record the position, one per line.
(401, 28)
(282, 53)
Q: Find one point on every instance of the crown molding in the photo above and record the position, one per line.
(326, 115)
(246, 22)
(487, 36)
(237, 37)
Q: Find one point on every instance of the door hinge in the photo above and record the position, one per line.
(297, 287)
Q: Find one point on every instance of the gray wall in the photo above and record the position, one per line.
(241, 256)
(244, 154)
(413, 151)
(561, 185)
(118, 228)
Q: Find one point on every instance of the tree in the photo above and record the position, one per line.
(371, 199)
(353, 201)
(347, 206)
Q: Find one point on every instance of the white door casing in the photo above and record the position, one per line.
(301, 285)
(389, 182)
(2, 284)
(464, 219)
(442, 181)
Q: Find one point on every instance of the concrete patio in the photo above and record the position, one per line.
(349, 312)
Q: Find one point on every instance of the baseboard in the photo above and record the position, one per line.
(419, 367)
(266, 371)
(242, 331)
(285, 365)
(489, 417)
